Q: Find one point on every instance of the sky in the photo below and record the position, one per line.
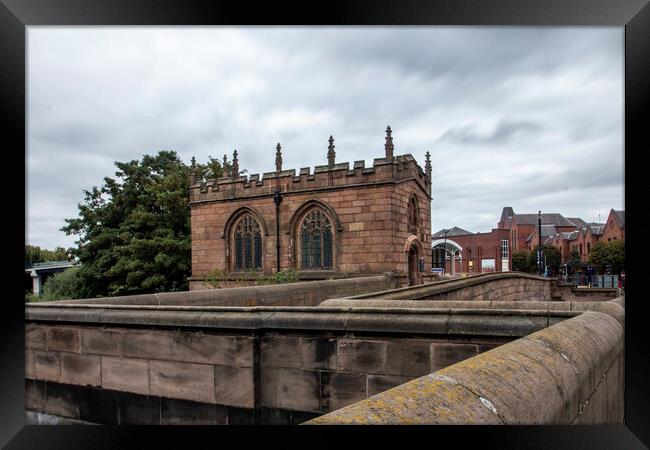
(530, 118)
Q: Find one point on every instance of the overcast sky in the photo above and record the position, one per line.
(525, 117)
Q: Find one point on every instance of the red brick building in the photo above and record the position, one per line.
(492, 251)
(337, 221)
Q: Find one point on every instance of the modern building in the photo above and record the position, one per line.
(492, 251)
(336, 221)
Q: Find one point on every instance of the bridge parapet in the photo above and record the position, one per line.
(568, 373)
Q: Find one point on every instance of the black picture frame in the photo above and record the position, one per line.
(634, 15)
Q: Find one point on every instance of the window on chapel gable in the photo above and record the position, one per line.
(247, 239)
(413, 217)
(316, 241)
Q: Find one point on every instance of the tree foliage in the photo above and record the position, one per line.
(520, 261)
(134, 230)
(63, 285)
(604, 253)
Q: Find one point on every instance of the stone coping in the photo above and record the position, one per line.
(438, 287)
(197, 297)
(548, 377)
(442, 321)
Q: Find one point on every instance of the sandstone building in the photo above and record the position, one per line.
(336, 222)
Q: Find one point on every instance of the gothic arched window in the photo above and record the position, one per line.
(247, 239)
(316, 241)
(413, 217)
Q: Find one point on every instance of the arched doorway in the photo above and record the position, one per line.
(413, 265)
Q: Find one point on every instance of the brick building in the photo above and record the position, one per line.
(492, 251)
(337, 221)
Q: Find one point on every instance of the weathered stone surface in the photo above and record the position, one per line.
(381, 383)
(125, 374)
(63, 339)
(241, 416)
(280, 351)
(138, 409)
(234, 386)
(339, 389)
(358, 355)
(299, 389)
(203, 348)
(80, 369)
(319, 353)
(444, 355)
(180, 412)
(244, 351)
(148, 344)
(269, 391)
(35, 336)
(30, 364)
(61, 401)
(35, 395)
(47, 366)
(182, 380)
(102, 341)
(408, 358)
(98, 406)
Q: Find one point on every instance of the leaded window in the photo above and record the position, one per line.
(248, 244)
(316, 241)
(413, 217)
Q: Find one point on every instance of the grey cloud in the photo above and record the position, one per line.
(504, 131)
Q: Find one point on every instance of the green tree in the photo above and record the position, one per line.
(134, 230)
(575, 261)
(603, 253)
(64, 285)
(520, 260)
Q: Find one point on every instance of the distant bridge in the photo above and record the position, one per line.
(40, 271)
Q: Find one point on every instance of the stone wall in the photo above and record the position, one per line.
(306, 293)
(286, 374)
(506, 286)
(569, 373)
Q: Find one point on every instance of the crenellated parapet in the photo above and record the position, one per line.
(333, 175)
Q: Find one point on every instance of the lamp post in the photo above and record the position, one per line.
(539, 242)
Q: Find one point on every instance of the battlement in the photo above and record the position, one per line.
(390, 169)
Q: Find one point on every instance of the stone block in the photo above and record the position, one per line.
(181, 412)
(61, 400)
(357, 355)
(299, 389)
(47, 366)
(148, 344)
(101, 341)
(182, 380)
(280, 351)
(408, 358)
(83, 370)
(125, 374)
(241, 416)
(381, 383)
(318, 353)
(30, 364)
(98, 406)
(35, 395)
(244, 348)
(63, 339)
(444, 355)
(138, 409)
(35, 336)
(203, 348)
(298, 417)
(269, 393)
(339, 389)
(234, 386)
